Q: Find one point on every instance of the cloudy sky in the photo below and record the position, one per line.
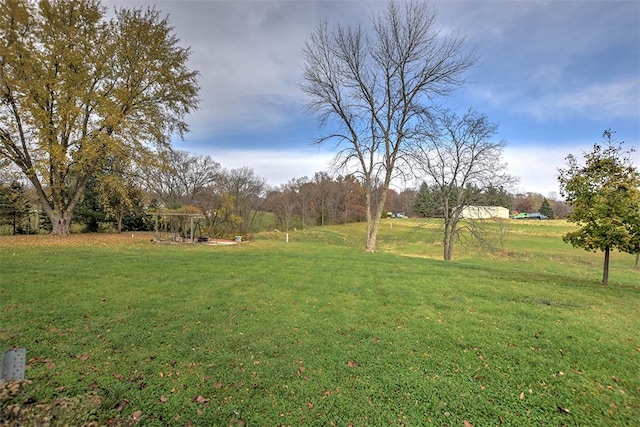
(553, 74)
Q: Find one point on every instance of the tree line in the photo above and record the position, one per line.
(233, 201)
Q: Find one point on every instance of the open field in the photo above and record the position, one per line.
(122, 331)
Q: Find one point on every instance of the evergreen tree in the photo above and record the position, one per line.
(545, 209)
(427, 204)
(14, 206)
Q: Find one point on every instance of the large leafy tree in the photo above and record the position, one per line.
(373, 88)
(605, 195)
(77, 89)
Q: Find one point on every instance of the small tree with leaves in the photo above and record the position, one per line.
(605, 196)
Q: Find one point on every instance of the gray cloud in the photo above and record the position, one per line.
(543, 64)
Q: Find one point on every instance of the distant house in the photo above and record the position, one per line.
(484, 212)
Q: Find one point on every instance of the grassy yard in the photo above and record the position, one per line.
(123, 331)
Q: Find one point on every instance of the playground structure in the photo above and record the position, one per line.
(178, 227)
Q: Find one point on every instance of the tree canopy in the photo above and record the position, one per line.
(605, 195)
(78, 90)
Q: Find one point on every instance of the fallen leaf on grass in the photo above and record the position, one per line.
(163, 399)
(522, 395)
(121, 405)
(329, 393)
(467, 424)
(563, 410)
(137, 415)
(352, 364)
(200, 399)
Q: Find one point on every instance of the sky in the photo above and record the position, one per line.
(552, 74)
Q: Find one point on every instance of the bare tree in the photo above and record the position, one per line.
(374, 88)
(323, 183)
(182, 178)
(197, 175)
(527, 202)
(304, 191)
(459, 158)
(282, 202)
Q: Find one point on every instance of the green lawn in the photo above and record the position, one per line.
(122, 331)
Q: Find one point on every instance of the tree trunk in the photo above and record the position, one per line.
(372, 231)
(448, 243)
(58, 211)
(372, 236)
(59, 223)
(445, 241)
(449, 239)
(119, 220)
(605, 270)
(373, 220)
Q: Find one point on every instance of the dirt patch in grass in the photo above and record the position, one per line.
(19, 408)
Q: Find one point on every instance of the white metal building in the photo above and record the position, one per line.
(484, 212)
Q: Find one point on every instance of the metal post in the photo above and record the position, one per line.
(13, 364)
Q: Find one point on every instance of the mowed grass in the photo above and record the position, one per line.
(318, 332)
